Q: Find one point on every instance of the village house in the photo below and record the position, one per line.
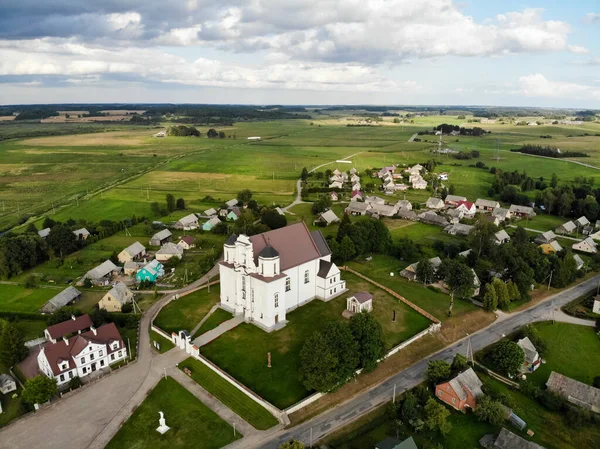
(337, 172)
(132, 252)
(410, 272)
(354, 179)
(551, 248)
(453, 200)
(532, 358)
(356, 195)
(492, 219)
(231, 203)
(467, 207)
(210, 224)
(7, 384)
(76, 325)
(116, 298)
(393, 443)
(507, 440)
(353, 171)
(81, 234)
(419, 184)
(415, 169)
(545, 237)
(356, 208)
(579, 263)
(385, 170)
(264, 276)
(582, 221)
(328, 217)
(461, 392)
(187, 242)
(335, 178)
(44, 233)
(486, 205)
(333, 196)
(68, 296)
(404, 205)
(234, 214)
(521, 211)
(575, 392)
(374, 200)
(103, 273)
(502, 213)
(430, 217)
(356, 186)
(360, 302)
(336, 185)
(82, 354)
(130, 268)
(587, 245)
(160, 238)
(167, 251)
(151, 272)
(210, 212)
(454, 215)
(187, 223)
(383, 210)
(459, 229)
(406, 214)
(501, 237)
(566, 228)
(435, 203)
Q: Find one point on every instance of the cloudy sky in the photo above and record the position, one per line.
(530, 53)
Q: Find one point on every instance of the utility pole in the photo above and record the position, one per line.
(394, 395)
(550, 281)
(310, 438)
(129, 347)
(233, 429)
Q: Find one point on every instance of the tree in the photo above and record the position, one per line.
(502, 294)
(253, 205)
(345, 225)
(368, 334)
(212, 133)
(63, 314)
(436, 417)
(317, 364)
(490, 300)
(490, 411)
(170, 202)
(12, 345)
(244, 196)
(31, 229)
(48, 223)
(221, 134)
(180, 205)
(507, 357)
(39, 389)
(459, 278)
(62, 241)
(425, 271)
(155, 208)
(438, 371)
(346, 250)
(554, 181)
(273, 219)
(292, 444)
(409, 409)
(340, 339)
(459, 363)
(304, 174)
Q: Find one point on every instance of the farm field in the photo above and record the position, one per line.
(192, 423)
(242, 352)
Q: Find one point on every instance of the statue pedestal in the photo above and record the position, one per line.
(162, 429)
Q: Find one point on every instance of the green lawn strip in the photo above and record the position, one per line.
(192, 423)
(252, 412)
(217, 317)
(132, 335)
(16, 298)
(187, 311)
(572, 350)
(31, 329)
(11, 408)
(164, 343)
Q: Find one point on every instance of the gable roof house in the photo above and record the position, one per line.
(431, 217)
(410, 272)
(459, 229)
(578, 393)
(587, 245)
(187, 242)
(337, 172)
(434, 203)
(132, 252)
(493, 219)
(7, 384)
(545, 237)
(582, 221)
(354, 179)
(419, 184)
(487, 205)
(210, 212)
(360, 302)
(406, 214)
(234, 214)
(335, 178)
(207, 226)
(532, 357)
(393, 443)
(150, 272)
(328, 217)
(116, 298)
(68, 296)
(550, 248)
(356, 186)
(501, 237)
(453, 200)
(76, 325)
(467, 207)
(521, 211)
(187, 223)
(502, 213)
(566, 228)
(102, 273)
(336, 185)
(167, 251)
(455, 215)
(160, 238)
(579, 262)
(383, 210)
(507, 440)
(356, 195)
(81, 234)
(82, 354)
(231, 203)
(333, 196)
(461, 392)
(404, 205)
(374, 200)
(44, 233)
(356, 208)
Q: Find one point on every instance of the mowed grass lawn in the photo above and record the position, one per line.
(242, 352)
(252, 412)
(217, 317)
(187, 311)
(16, 298)
(193, 425)
(572, 350)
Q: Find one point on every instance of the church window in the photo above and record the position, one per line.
(306, 277)
(288, 284)
(276, 299)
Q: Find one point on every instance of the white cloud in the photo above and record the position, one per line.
(592, 17)
(578, 49)
(537, 85)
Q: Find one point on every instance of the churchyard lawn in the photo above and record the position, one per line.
(186, 312)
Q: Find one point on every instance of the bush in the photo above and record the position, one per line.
(30, 282)
(551, 401)
(75, 383)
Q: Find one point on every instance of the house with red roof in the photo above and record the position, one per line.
(461, 392)
(265, 276)
(467, 207)
(81, 354)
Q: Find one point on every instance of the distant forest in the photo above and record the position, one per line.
(547, 151)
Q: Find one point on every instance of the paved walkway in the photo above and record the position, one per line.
(562, 317)
(215, 333)
(203, 320)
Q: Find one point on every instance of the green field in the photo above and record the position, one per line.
(15, 298)
(192, 423)
(186, 312)
(165, 344)
(253, 413)
(242, 352)
(572, 350)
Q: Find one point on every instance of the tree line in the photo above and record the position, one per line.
(548, 151)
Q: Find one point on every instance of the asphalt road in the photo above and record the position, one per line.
(344, 414)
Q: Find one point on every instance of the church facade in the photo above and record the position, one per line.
(265, 276)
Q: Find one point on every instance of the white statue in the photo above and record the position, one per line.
(162, 425)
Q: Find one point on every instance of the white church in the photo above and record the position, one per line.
(267, 275)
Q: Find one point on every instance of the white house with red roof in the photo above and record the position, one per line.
(467, 207)
(81, 354)
(267, 275)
